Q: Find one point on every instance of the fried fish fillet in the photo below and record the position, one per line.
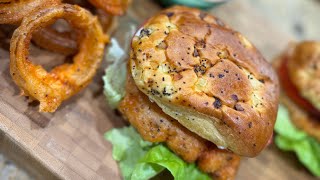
(156, 126)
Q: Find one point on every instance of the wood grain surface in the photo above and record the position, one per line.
(69, 144)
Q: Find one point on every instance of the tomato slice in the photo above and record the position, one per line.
(292, 91)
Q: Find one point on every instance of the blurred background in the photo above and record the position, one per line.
(289, 19)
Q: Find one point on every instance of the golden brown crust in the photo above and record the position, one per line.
(304, 70)
(62, 82)
(208, 77)
(60, 42)
(226, 163)
(66, 42)
(12, 12)
(156, 126)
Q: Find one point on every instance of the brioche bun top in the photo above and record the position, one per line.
(208, 77)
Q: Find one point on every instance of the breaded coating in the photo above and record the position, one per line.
(155, 126)
(53, 87)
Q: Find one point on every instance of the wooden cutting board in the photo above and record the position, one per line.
(69, 144)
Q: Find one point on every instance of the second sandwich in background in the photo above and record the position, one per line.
(298, 122)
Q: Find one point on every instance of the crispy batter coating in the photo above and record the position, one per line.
(60, 42)
(114, 7)
(12, 12)
(155, 126)
(65, 42)
(304, 70)
(51, 88)
(208, 77)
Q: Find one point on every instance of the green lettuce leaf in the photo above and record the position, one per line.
(160, 157)
(290, 138)
(114, 83)
(116, 71)
(142, 160)
(128, 148)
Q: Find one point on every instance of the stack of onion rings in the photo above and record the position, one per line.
(12, 12)
(51, 88)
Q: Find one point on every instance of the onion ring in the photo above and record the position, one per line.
(106, 20)
(12, 12)
(114, 7)
(51, 88)
(64, 43)
(60, 42)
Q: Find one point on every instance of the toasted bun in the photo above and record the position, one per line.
(304, 70)
(208, 77)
